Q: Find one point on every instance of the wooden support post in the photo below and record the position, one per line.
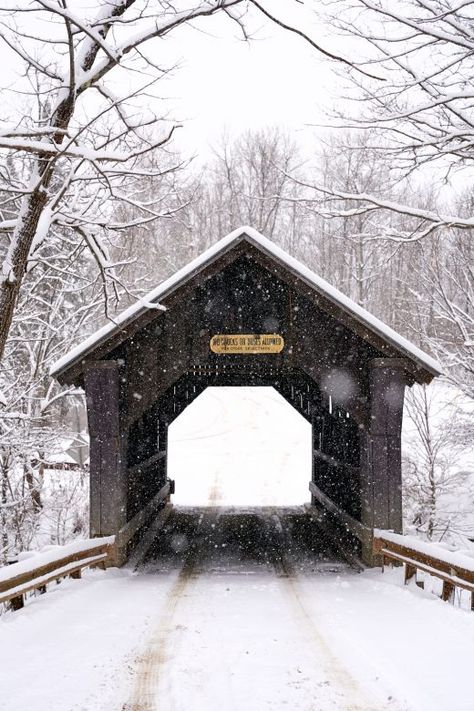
(448, 592)
(472, 601)
(380, 464)
(108, 496)
(387, 562)
(410, 572)
(76, 574)
(16, 603)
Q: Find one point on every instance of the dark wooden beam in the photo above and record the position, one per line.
(107, 462)
(381, 477)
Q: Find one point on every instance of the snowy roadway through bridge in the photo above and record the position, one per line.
(218, 625)
(238, 619)
(238, 609)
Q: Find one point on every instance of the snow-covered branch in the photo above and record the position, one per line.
(81, 146)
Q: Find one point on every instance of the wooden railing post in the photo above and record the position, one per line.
(19, 578)
(16, 603)
(448, 592)
(410, 572)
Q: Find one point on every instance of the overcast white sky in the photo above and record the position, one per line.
(226, 83)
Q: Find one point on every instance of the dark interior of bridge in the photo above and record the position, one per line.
(233, 534)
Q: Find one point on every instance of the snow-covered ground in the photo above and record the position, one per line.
(231, 639)
(215, 635)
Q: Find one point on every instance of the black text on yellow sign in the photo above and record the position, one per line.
(240, 343)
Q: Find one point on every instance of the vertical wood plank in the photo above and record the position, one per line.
(410, 572)
(107, 467)
(16, 603)
(380, 463)
(448, 592)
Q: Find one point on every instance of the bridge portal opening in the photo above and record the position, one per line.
(241, 460)
(240, 446)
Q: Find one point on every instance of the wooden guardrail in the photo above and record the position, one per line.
(43, 567)
(132, 527)
(455, 569)
(363, 533)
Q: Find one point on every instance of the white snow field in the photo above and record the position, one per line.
(203, 634)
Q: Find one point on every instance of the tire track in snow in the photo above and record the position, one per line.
(156, 655)
(146, 691)
(340, 679)
(352, 696)
(215, 493)
(339, 688)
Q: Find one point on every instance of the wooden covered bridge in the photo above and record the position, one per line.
(246, 313)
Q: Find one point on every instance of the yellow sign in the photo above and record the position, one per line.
(247, 343)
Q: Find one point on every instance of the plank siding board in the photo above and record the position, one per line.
(102, 382)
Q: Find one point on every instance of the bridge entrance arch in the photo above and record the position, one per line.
(246, 313)
(240, 448)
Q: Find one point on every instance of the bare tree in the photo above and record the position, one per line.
(417, 116)
(419, 111)
(245, 182)
(55, 304)
(359, 255)
(449, 279)
(432, 470)
(86, 142)
(252, 175)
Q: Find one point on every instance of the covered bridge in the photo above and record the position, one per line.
(246, 313)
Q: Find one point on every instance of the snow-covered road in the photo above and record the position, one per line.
(211, 637)
(285, 627)
(233, 612)
(248, 642)
(236, 631)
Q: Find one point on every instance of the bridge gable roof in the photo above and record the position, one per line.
(372, 329)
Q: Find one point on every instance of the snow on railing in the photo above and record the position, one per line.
(35, 570)
(454, 568)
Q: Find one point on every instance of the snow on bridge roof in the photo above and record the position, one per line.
(249, 234)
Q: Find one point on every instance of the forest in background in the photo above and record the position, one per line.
(107, 208)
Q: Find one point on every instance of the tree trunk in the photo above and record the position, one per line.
(16, 260)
